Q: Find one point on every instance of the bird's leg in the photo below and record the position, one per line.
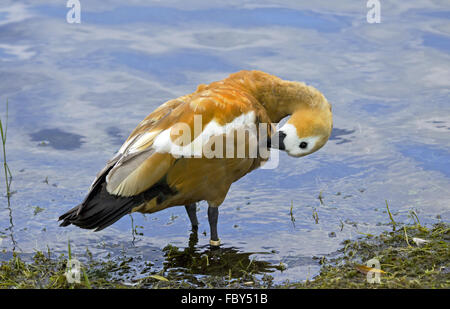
(192, 213)
(213, 216)
(193, 240)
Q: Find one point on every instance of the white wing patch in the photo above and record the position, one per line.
(164, 144)
(135, 143)
(125, 178)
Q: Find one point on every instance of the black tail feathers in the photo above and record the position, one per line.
(99, 211)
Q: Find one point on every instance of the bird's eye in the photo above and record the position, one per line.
(303, 145)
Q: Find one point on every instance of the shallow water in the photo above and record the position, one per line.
(76, 91)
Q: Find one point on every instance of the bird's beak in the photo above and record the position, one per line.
(277, 140)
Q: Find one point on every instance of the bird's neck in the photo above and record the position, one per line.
(280, 98)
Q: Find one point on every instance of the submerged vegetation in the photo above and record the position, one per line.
(188, 268)
(413, 256)
(410, 256)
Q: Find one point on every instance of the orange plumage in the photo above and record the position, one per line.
(160, 165)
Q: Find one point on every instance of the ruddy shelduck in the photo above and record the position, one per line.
(181, 153)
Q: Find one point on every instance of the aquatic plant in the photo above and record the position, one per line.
(8, 174)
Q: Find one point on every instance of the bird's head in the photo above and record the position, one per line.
(306, 131)
(310, 124)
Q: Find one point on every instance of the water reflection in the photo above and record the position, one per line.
(223, 262)
(338, 133)
(429, 157)
(167, 66)
(57, 139)
(437, 41)
(77, 91)
(232, 17)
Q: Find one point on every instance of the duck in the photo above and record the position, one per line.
(192, 148)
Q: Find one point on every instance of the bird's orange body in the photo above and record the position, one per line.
(160, 165)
